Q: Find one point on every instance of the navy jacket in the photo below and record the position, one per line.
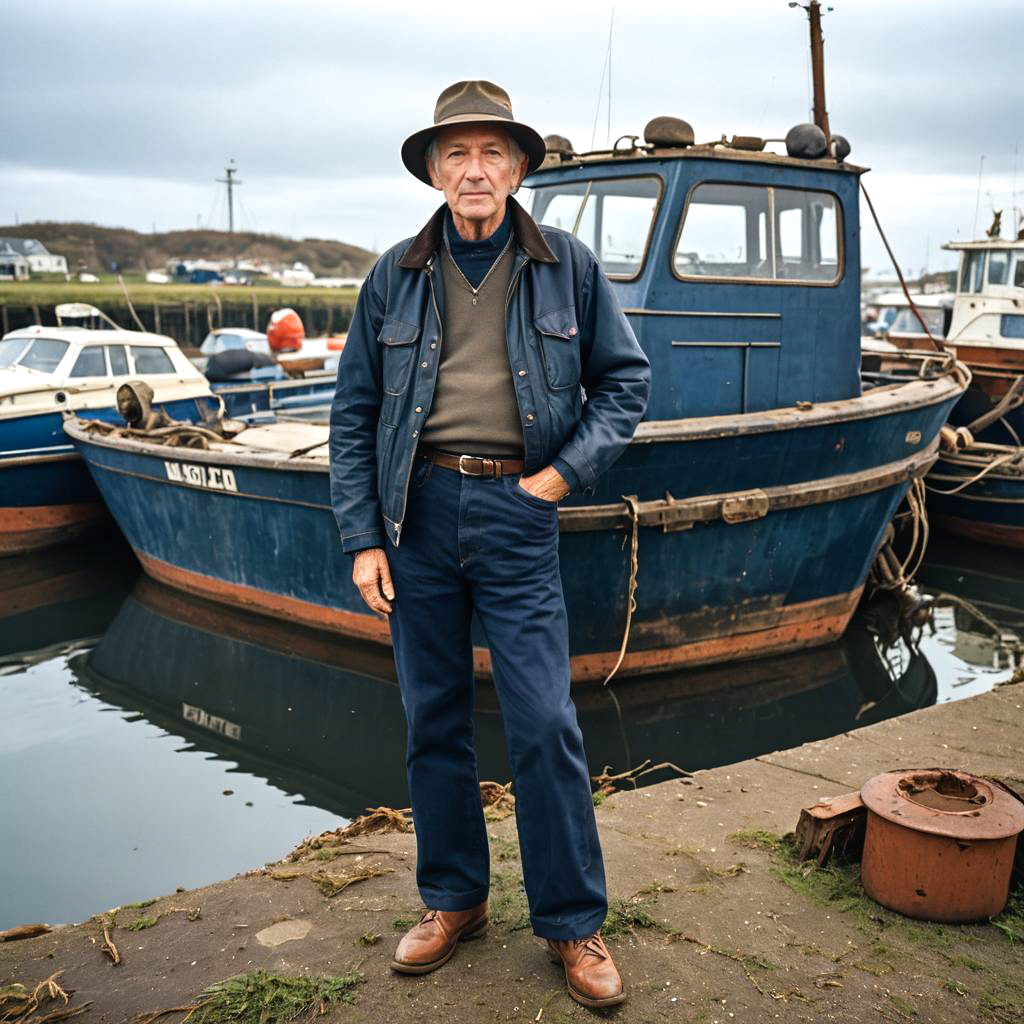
(566, 334)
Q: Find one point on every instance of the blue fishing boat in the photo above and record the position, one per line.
(745, 514)
(46, 493)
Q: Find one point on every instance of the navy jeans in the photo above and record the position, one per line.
(474, 544)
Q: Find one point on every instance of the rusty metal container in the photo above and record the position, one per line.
(939, 844)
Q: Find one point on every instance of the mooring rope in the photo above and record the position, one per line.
(1000, 460)
(633, 503)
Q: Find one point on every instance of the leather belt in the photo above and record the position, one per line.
(471, 465)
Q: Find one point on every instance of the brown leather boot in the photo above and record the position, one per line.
(590, 974)
(431, 943)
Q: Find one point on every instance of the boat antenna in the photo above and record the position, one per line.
(820, 113)
(977, 198)
(606, 70)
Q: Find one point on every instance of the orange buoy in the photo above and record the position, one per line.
(336, 343)
(939, 844)
(285, 331)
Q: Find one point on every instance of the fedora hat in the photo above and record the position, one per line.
(475, 102)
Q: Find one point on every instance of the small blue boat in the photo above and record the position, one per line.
(46, 493)
(753, 498)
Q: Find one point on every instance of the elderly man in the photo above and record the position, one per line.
(458, 423)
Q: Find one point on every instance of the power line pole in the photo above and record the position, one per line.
(231, 181)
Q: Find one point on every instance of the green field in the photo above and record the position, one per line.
(109, 291)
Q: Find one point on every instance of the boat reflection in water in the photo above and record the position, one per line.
(981, 599)
(56, 600)
(322, 717)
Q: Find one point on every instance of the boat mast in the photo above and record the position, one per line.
(820, 114)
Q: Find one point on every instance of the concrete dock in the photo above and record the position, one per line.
(711, 922)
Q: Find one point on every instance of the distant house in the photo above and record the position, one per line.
(40, 260)
(13, 266)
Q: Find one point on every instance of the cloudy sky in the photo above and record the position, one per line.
(124, 113)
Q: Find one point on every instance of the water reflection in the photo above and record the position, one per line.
(981, 593)
(323, 718)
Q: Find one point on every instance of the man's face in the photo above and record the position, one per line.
(476, 170)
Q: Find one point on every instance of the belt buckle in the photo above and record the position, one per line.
(487, 466)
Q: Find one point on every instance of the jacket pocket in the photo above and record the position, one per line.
(560, 346)
(397, 357)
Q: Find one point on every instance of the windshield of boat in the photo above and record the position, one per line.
(760, 233)
(905, 322)
(613, 217)
(41, 354)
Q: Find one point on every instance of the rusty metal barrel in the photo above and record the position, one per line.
(939, 844)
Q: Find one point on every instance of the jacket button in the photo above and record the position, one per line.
(415, 432)
(572, 331)
(419, 408)
(522, 373)
(529, 416)
(433, 344)
(424, 364)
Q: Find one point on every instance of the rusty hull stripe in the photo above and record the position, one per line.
(367, 627)
(807, 624)
(986, 533)
(36, 526)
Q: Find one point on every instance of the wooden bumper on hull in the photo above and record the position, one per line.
(770, 628)
(35, 527)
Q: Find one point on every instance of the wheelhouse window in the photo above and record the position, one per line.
(613, 217)
(90, 363)
(151, 360)
(42, 354)
(1012, 325)
(1018, 271)
(973, 272)
(118, 360)
(998, 267)
(760, 233)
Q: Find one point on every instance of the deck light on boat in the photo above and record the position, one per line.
(806, 141)
(668, 131)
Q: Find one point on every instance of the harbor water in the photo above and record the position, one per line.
(151, 740)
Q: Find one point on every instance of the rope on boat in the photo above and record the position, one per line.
(888, 572)
(1001, 460)
(633, 504)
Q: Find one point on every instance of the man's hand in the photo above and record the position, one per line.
(372, 575)
(548, 484)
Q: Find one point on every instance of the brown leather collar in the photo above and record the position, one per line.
(524, 227)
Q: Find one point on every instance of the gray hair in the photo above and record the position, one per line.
(515, 150)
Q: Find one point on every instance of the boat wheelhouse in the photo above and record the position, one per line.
(746, 512)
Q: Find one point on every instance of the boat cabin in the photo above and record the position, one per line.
(43, 369)
(739, 269)
(989, 306)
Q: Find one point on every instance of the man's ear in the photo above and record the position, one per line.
(432, 174)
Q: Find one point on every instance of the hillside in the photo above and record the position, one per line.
(94, 248)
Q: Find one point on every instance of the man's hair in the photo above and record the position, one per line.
(516, 151)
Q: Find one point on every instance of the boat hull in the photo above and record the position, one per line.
(988, 508)
(47, 496)
(763, 545)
